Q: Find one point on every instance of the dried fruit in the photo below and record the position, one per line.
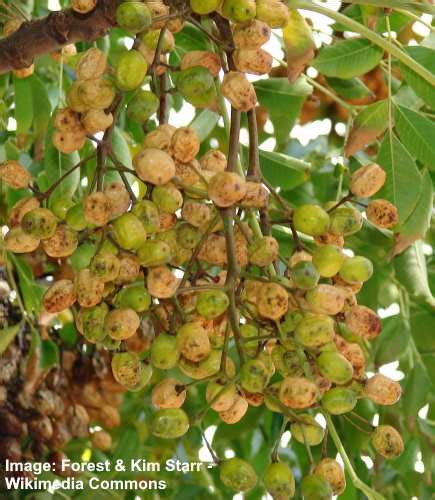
(382, 214)
(367, 180)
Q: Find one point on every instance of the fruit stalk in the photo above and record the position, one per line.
(371, 494)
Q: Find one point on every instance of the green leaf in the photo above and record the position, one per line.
(348, 58)
(416, 390)
(393, 341)
(417, 133)
(122, 152)
(32, 293)
(7, 335)
(204, 123)
(56, 164)
(419, 221)
(422, 330)
(352, 88)
(23, 104)
(128, 445)
(411, 271)
(40, 97)
(284, 171)
(404, 182)
(190, 38)
(425, 56)
(283, 101)
(49, 354)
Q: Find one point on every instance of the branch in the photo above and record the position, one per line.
(51, 33)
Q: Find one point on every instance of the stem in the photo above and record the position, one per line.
(45, 195)
(195, 255)
(371, 494)
(163, 106)
(210, 35)
(274, 454)
(215, 458)
(330, 94)
(232, 274)
(370, 35)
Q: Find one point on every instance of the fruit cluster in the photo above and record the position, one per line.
(188, 257)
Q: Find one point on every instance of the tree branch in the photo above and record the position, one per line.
(51, 33)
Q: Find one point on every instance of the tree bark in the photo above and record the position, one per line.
(51, 33)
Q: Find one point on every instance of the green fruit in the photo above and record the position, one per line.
(154, 253)
(110, 344)
(279, 481)
(105, 266)
(263, 251)
(339, 400)
(254, 376)
(164, 353)
(146, 373)
(129, 231)
(93, 323)
(345, 221)
(311, 219)
(148, 213)
(167, 198)
(246, 331)
(130, 71)
(188, 236)
(206, 367)
(151, 39)
(315, 330)
(135, 296)
(212, 303)
(204, 99)
(315, 488)
(305, 275)
(142, 106)
(203, 7)
(239, 11)
(133, 16)
(286, 362)
(271, 398)
(307, 430)
(82, 256)
(179, 253)
(40, 223)
(291, 321)
(335, 367)
(170, 423)
(237, 474)
(194, 81)
(108, 247)
(126, 368)
(75, 218)
(356, 270)
(61, 205)
(328, 260)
